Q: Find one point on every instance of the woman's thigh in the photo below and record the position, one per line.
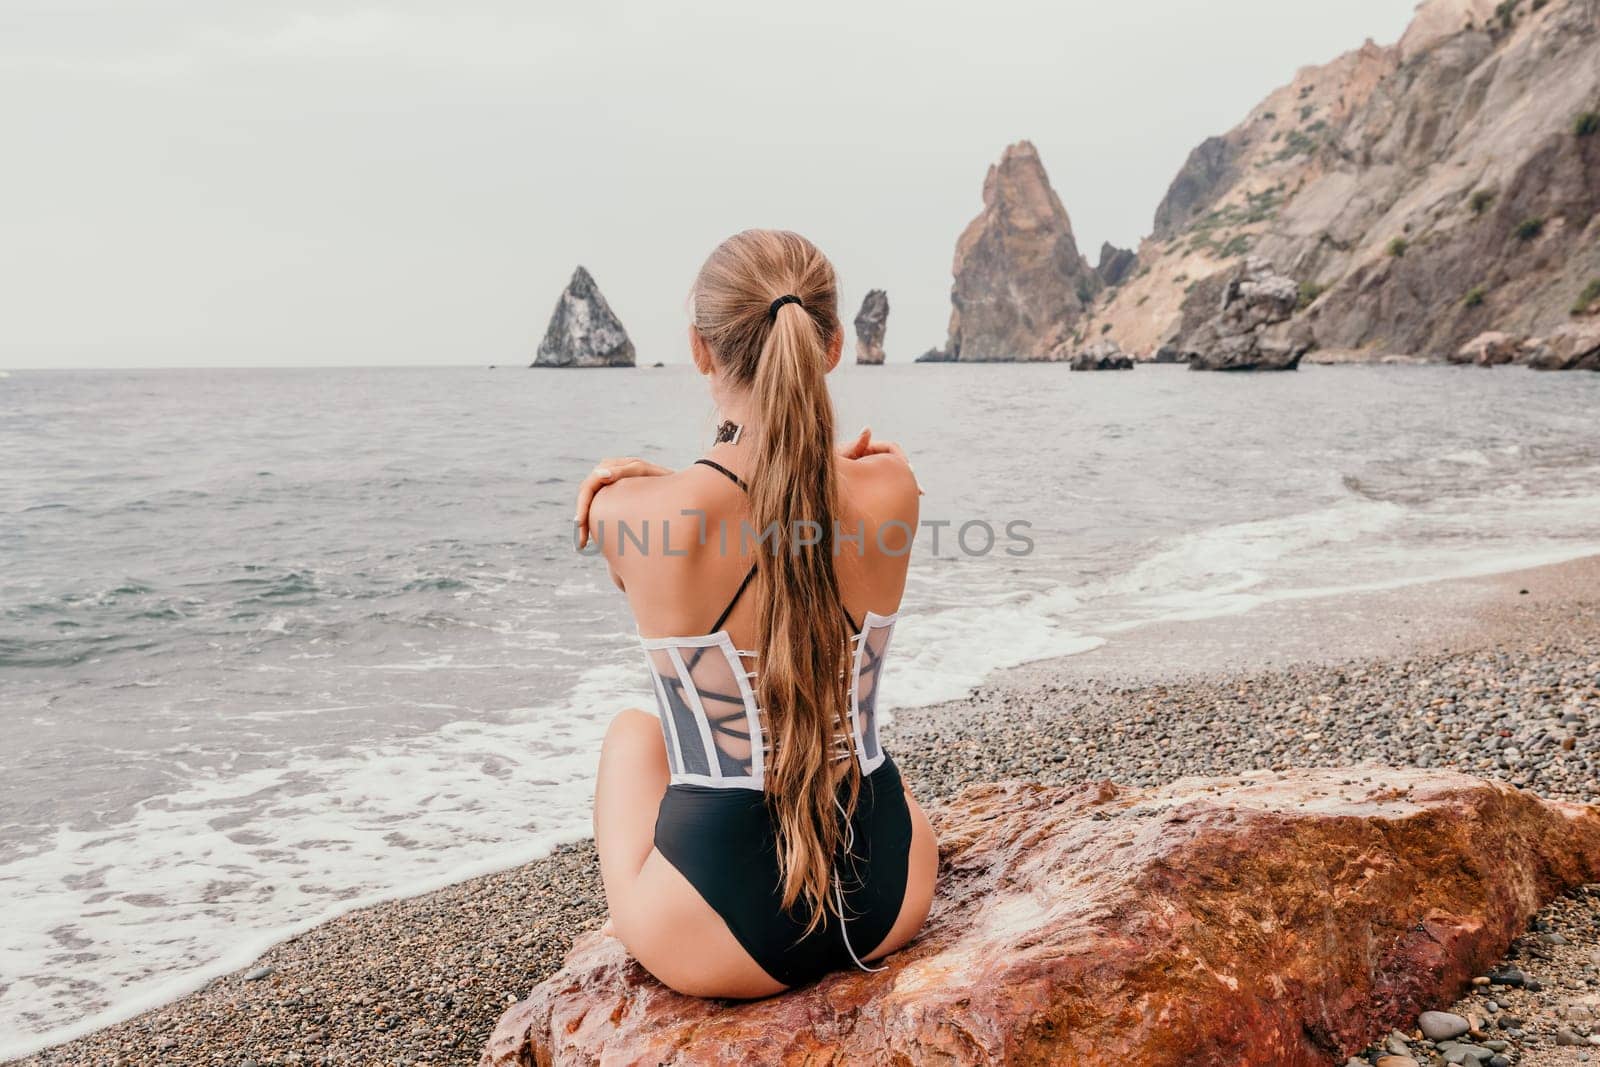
(922, 869)
(628, 788)
(659, 916)
(676, 936)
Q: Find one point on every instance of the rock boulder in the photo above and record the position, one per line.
(1102, 355)
(584, 331)
(1574, 346)
(1251, 328)
(1280, 919)
(871, 322)
(1490, 349)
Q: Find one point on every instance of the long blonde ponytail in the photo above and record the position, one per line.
(781, 354)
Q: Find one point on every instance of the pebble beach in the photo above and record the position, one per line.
(1495, 676)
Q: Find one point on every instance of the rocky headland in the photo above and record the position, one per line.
(1416, 195)
(583, 330)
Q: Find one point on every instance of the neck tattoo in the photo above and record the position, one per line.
(729, 432)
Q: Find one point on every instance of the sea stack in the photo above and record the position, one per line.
(1020, 282)
(584, 331)
(871, 323)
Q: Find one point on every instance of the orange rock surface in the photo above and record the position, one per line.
(1280, 919)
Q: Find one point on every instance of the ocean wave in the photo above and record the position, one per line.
(238, 848)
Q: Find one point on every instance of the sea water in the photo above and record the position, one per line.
(276, 643)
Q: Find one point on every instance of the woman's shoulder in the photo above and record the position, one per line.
(668, 509)
(882, 484)
(661, 496)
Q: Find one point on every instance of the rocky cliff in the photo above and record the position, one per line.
(1419, 194)
(584, 331)
(1020, 282)
(872, 321)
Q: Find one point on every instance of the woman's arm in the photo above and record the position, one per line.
(604, 473)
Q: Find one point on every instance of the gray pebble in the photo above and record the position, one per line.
(1441, 1025)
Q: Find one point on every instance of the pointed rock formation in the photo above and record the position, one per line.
(1271, 919)
(1020, 282)
(583, 331)
(871, 323)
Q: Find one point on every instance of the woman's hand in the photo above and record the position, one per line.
(604, 473)
(864, 446)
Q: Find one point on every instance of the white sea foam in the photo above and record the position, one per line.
(200, 882)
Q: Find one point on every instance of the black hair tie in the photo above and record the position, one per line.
(772, 312)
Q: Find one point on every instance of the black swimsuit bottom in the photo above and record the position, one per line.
(725, 843)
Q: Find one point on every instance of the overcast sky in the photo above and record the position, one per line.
(216, 182)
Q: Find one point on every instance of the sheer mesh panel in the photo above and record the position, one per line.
(872, 646)
(674, 761)
(708, 705)
(703, 690)
(714, 678)
(678, 718)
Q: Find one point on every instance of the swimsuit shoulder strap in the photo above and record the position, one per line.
(725, 472)
(736, 480)
(750, 575)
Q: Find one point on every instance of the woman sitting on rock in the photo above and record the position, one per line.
(755, 836)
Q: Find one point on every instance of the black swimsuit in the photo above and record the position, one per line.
(714, 825)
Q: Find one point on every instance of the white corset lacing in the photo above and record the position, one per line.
(713, 728)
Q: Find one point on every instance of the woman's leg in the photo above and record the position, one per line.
(627, 794)
(664, 922)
